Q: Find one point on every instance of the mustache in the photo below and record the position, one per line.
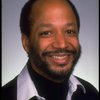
(64, 51)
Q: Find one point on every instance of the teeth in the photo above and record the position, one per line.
(59, 57)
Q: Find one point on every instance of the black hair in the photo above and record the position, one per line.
(76, 13)
(25, 21)
(25, 17)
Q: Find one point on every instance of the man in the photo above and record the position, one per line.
(50, 36)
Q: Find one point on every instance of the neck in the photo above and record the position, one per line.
(49, 89)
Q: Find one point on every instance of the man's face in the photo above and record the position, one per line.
(53, 43)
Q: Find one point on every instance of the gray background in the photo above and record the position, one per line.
(14, 57)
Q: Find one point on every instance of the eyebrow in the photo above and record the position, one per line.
(46, 25)
(71, 24)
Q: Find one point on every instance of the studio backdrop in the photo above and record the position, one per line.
(14, 57)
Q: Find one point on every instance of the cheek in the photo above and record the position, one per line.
(40, 44)
(75, 42)
(44, 45)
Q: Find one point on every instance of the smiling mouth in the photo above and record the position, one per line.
(60, 59)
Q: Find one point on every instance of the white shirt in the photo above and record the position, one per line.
(26, 88)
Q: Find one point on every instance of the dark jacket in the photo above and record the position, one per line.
(9, 91)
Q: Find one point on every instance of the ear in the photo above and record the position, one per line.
(25, 42)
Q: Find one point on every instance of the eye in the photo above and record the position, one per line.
(45, 34)
(71, 32)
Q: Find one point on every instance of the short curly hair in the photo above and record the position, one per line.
(25, 21)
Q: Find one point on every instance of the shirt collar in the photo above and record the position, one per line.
(74, 82)
(26, 88)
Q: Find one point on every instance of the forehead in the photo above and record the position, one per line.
(43, 6)
(47, 2)
(42, 3)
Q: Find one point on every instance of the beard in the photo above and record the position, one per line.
(43, 65)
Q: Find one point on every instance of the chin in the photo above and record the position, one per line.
(59, 73)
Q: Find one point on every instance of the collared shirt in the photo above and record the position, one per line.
(26, 88)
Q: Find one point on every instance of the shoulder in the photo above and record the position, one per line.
(91, 91)
(9, 90)
(88, 86)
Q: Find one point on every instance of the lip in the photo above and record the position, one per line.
(59, 59)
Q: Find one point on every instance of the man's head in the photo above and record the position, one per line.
(25, 21)
(50, 37)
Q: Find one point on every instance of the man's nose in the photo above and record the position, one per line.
(60, 41)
